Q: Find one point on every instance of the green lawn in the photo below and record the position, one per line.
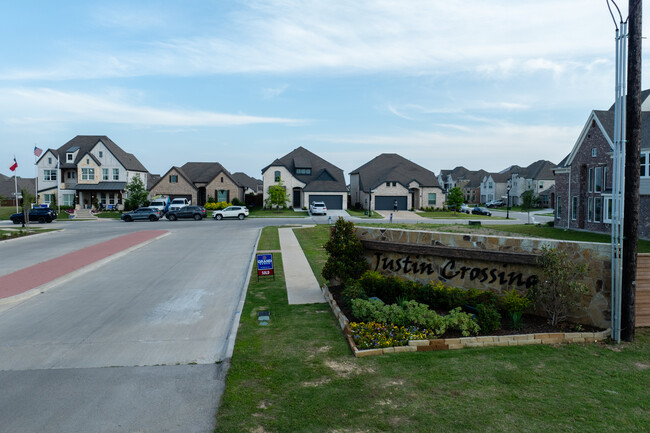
(109, 214)
(7, 211)
(361, 214)
(298, 375)
(277, 213)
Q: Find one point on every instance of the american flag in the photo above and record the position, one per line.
(37, 151)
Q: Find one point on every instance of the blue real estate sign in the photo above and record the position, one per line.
(264, 264)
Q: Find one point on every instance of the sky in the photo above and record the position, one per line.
(474, 83)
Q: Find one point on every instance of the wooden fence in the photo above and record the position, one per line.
(643, 290)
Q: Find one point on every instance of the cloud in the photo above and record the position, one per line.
(274, 92)
(366, 36)
(35, 106)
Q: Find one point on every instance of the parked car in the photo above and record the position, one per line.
(178, 203)
(481, 211)
(495, 203)
(160, 203)
(240, 212)
(142, 213)
(317, 207)
(196, 212)
(38, 214)
(465, 208)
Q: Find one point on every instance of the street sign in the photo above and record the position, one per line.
(265, 265)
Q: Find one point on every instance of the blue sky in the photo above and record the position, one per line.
(443, 83)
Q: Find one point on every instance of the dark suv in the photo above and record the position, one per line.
(196, 212)
(39, 214)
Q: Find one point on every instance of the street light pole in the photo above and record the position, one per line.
(508, 186)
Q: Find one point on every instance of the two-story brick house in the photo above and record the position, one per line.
(87, 169)
(583, 180)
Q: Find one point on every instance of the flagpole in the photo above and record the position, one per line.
(58, 183)
(15, 187)
(35, 177)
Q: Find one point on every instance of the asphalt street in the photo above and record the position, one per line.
(139, 343)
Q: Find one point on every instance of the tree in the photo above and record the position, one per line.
(455, 199)
(27, 200)
(560, 288)
(345, 259)
(528, 201)
(136, 194)
(278, 196)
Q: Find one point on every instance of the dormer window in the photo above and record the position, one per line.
(303, 171)
(70, 157)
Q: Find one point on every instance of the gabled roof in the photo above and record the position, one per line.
(391, 167)
(8, 188)
(245, 180)
(85, 143)
(203, 172)
(177, 170)
(324, 177)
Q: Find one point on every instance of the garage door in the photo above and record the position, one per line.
(386, 202)
(331, 201)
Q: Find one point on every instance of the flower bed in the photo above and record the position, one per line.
(427, 344)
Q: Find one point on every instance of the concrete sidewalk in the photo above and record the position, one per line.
(302, 287)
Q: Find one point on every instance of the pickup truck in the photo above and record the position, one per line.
(178, 203)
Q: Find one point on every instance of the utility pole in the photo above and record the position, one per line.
(632, 172)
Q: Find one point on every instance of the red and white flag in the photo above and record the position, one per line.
(37, 151)
(14, 166)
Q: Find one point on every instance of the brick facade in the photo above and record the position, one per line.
(174, 184)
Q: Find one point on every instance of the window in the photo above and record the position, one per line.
(598, 186)
(432, 198)
(607, 218)
(68, 200)
(116, 174)
(70, 157)
(489, 184)
(591, 180)
(102, 198)
(394, 183)
(558, 207)
(221, 179)
(49, 174)
(590, 209)
(574, 207)
(387, 183)
(173, 178)
(541, 185)
(598, 209)
(593, 152)
(604, 178)
(277, 176)
(87, 160)
(48, 198)
(303, 171)
(88, 174)
(111, 198)
(49, 160)
(104, 174)
(645, 164)
(101, 154)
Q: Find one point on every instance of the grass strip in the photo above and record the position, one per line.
(298, 375)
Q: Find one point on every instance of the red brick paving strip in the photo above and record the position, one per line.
(34, 276)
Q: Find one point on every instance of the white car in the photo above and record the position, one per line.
(240, 212)
(318, 207)
(178, 203)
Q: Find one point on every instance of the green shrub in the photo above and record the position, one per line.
(345, 253)
(353, 291)
(462, 322)
(514, 305)
(217, 206)
(237, 202)
(488, 317)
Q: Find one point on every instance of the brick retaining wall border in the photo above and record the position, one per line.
(463, 342)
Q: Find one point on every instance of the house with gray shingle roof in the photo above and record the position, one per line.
(391, 180)
(197, 181)
(86, 169)
(583, 180)
(307, 178)
(250, 184)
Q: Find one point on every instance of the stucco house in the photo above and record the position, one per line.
(92, 168)
(537, 177)
(390, 178)
(307, 178)
(583, 180)
(196, 181)
(494, 186)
